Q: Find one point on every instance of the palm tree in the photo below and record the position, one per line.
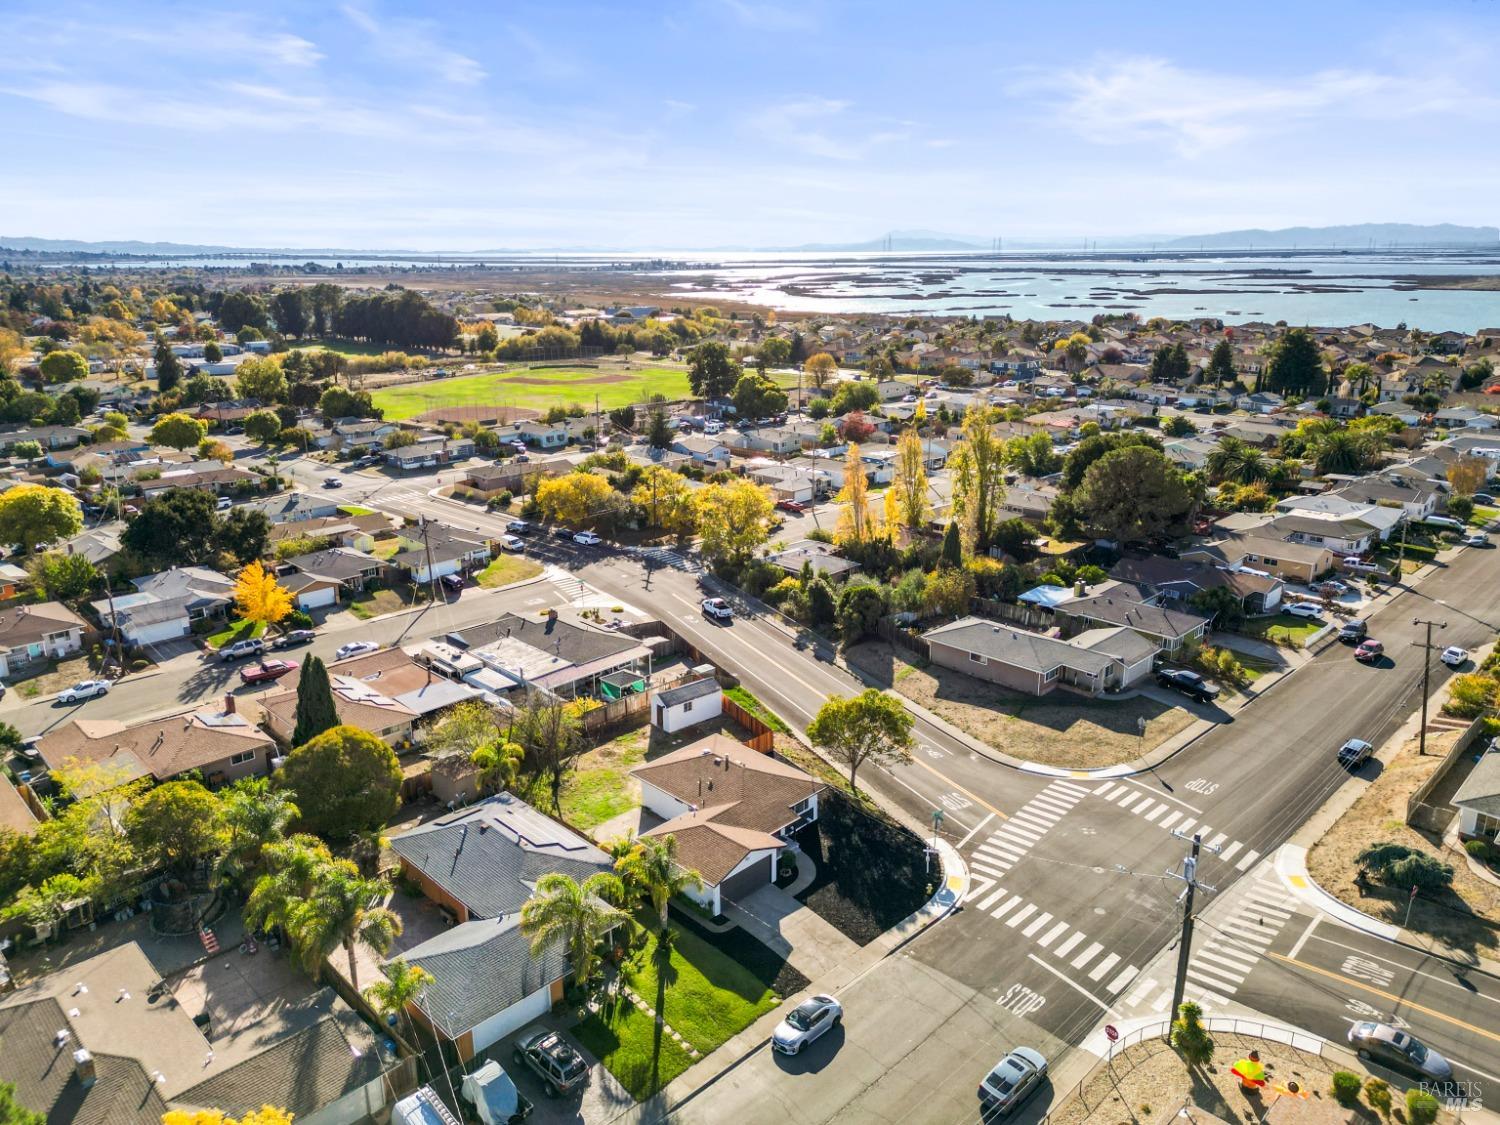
(499, 762)
(651, 867)
(402, 985)
(256, 816)
(1237, 461)
(1343, 452)
(574, 915)
(341, 911)
(291, 870)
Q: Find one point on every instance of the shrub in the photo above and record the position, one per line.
(1421, 1107)
(1470, 696)
(1190, 1037)
(783, 590)
(1482, 850)
(1346, 1087)
(297, 619)
(1378, 1094)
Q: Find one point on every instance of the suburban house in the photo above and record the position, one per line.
(707, 451)
(430, 452)
(166, 604)
(1094, 661)
(322, 577)
(355, 532)
(480, 865)
(562, 657)
(33, 633)
(677, 708)
(1168, 629)
(538, 434)
(1028, 500)
(219, 743)
(209, 477)
(1329, 505)
(732, 810)
(1345, 535)
(293, 507)
(15, 814)
(771, 439)
(1295, 562)
(1416, 501)
(1177, 580)
(357, 433)
(445, 552)
(48, 437)
(1465, 418)
(108, 1039)
(821, 558)
(1478, 800)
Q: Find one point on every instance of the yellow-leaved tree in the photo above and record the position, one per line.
(259, 597)
(265, 1115)
(733, 519)
(577, 499)
(820, 368)
(666, 498)
(906, 504)
(855, 524)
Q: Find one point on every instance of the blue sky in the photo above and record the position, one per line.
(734, 122)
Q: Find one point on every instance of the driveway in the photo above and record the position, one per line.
(810, 944)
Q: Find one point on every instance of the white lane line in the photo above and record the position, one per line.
(1051, 935)
(999, 893)
(1208, 980)
(1218, 958)
(1212, 997)
(1002, 847)
(1218, 841)
(1148, 803)
(1020, 915)
(1023, 836)
(1261, 910)
(1093, 950)
(1051, 804)
(1249, 934)
(1005, 907)
(1126, 975)
(1104, 966)
(976, 828)
(1168, 821)
(1219, 978)
(997, 854)
(1114, 798)
(1247, 859)
(1225, 855)
(975, 892)
(1037, 925)
(1156, 812)
(1058, 973)
(1069, 787)
(1155, 791)
(1186, 825)
(1031, 821)
(1108, 788)
(1062, 950)
(1035, 815)
(1307, 933)
(997, 870)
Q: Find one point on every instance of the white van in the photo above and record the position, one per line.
(448, 661)
(1445, 521)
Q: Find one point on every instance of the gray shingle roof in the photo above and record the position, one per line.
(479, 969)
(1132, 614)
(574, 644)
(490, 855)
(1015, 647)
(698, 689)
(1481, 789)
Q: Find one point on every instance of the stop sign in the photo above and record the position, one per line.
(1111, 1033)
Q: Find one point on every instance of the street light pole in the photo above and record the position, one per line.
(1189, 876)
(1426, 677)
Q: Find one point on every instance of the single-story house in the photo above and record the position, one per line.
(481, 864)
(444, 553)
(320, 578)
(1177, 580)
(563, 657)
(822, 558)
(32, 633)
(48, 437)
(732, 810)
(386, 693)
(430, 452)
(166, 604)
(1417, 501)
(293, 507)
(677, 708)
(1478, 800)
(1094, 661)
(709, 452)
(1167, 629)
(357, 433)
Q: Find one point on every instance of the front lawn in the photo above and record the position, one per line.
(631, 1047)
(239, 631)
(356, 510)
(506, 569)
(1283, 629)
(1483, 516)
(374, 603)
(599, 786)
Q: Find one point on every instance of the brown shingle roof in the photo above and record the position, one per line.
(710, 848)
(28, 624)
(163, 748)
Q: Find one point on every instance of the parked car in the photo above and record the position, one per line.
(1332, 586)
(250, 646)
(519, 527)
(266, 671)
(555, 1061)
(1189, 683)
(560, 532)
(518, 446)
(294, 638)
(718, 609)
(512, 543)
(1454, 657)
(332, 482)
(1355, 753)
(494, 1096)
(791, 505)
(1476, 539)
(1382, 1043)
(1013, 1078)
(453, 582)
(1483, 498)
(1354, 629)
(587, 539)
(806, 1023)
(1369, 651)
(1447, 523)
(1358, 565)
(355, 648)
(83, 689)
(223, 504)
(1303, 609)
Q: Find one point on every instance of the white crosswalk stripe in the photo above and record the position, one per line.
(1020, 915)
(1006, 907)
(1040, 921)
(1162, 814)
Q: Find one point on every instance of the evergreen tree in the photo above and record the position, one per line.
(1221, 364)
(168, 366)
(659, 432)
(315, 710)
(953, 546)
(1295, 366)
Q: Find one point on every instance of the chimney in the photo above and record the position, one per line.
(83, 1067)
(229, 703)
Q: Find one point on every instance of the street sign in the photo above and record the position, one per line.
(1111, 1033)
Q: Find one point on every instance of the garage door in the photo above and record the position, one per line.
(748, 881)
(161, 631)
(517, 1016)
(314, 599)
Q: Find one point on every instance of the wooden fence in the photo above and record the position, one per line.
(1026, 616)
(762, 737)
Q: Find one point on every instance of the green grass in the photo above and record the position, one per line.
(506, 569)
(745, 699)
(625, 1040)
(239, 631)
(598, 788)
(345, 347)
(356, 510)
(707, 997)
(564, 385)
(1283, 629)
(376, 602)
(1483, 516)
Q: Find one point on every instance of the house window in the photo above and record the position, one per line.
(977, 658)
(1486, 825)
(688, 706)
(241, 758)
(1049, 675)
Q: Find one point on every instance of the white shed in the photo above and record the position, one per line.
(686, 705)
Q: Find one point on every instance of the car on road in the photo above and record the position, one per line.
(1382, 1043)
(808, 1022)
(1353, 630)
(587, 539)
(332, 482)
(1476, 539)
(791, 505)
(512, 543)
(250, 646)
(1013, 1078)
(718, 609)
(1454, 657)
(519, 527)
(1189, 683)
(1368, 652)
(266, 671)
(223, 504)
(556, 1062)
(1304, 609)
(83, 689)
(294, 638)
(1355, 753)
(355, 648)
(560, 532)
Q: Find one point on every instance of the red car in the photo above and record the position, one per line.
(791, 505)
(266, 671)
(1369, 651)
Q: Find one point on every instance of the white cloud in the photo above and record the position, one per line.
(414, 44)
(768, 17)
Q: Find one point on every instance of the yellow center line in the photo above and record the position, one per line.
(949, 781)
(1391, 996)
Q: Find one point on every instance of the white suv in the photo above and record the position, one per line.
(241, 649)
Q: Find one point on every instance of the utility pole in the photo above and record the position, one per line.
(1426, 647)
(1189, 876)
(427, 548)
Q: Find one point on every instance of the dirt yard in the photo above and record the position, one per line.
(1059, 729)
(1148, 1083)
(1467, 919)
